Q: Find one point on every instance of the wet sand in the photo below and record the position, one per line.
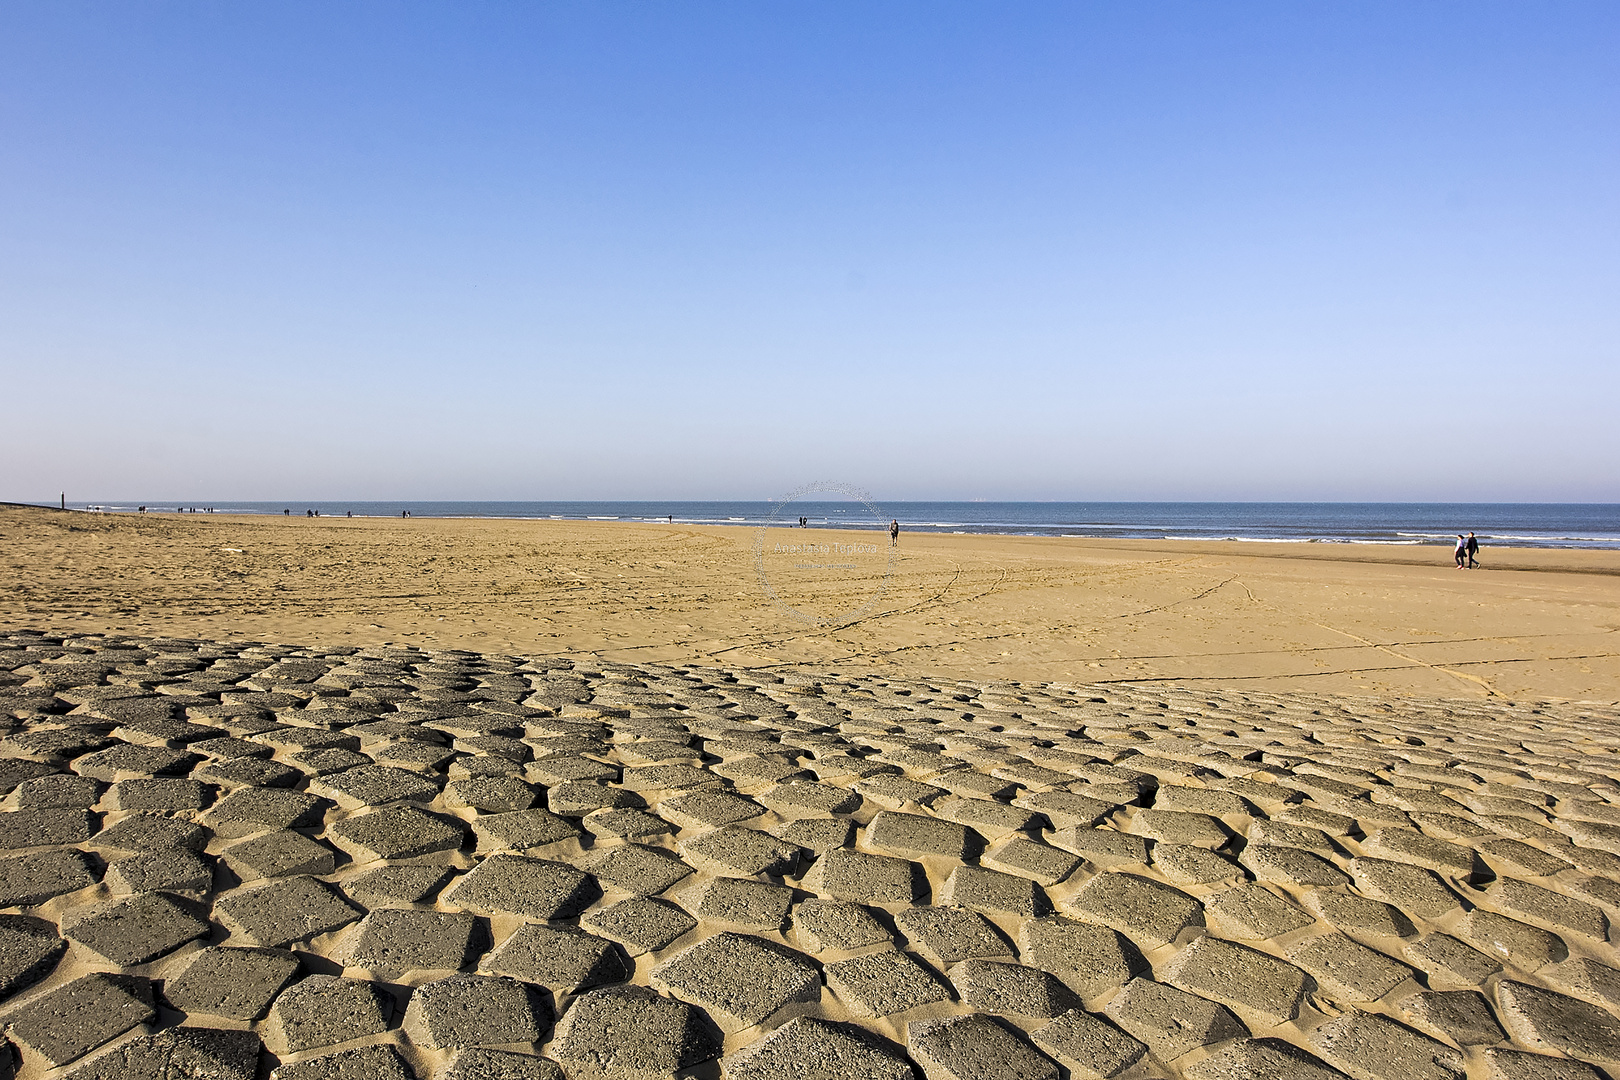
(1528, 624)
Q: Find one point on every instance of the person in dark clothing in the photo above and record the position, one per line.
(894, 533)
(1472, 547)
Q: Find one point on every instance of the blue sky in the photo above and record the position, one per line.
(711, 250)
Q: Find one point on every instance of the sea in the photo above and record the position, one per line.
(1548, 525)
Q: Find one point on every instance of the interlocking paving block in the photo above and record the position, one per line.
(1065, 809)
(141, 928)
(638, 869)
(1357, 914)
(61, 791)
(916, 835)
(741, 903)
(374, 785)
(993, 892)
(1517, 1065)
(493, 794)
(279, 854)
(1413, 889)
(1282, 834)
(174, 870)
(991, 820)
(1347, 970)
(1211, 801)
(803, 798)
(1411, 846)
(806, 1048)
(1515, 857)
(1366, 1046)
(1102, 847)
(1586, 978)
(164, 794)
(946, 935)
(394, 941)
(975, 1047)
(1240, 977)
(240, 772)
(475, 1010)
(843, 874)
(738, 980)
(709, 808)
(237, 984)
(34, 879)
(1148, 912)
(1548, 909)
(380, 1062)
(576, 798)
(822, 925)
(992, 986)
(522, 829)
(669, 778)
(1261, 1059)
(129, 761)
(1170, 1021)
(16, 771)
(153, 832)
(508, 884)
(632, 1033)
(1545, 1020)
(401, 832)
(1291, 866)
(70, 1021)
(385, 885)
(884, 983)
(1088, 959)
(1177, 827)
(182, 1053)
(482, 1064)
(897, 791)
(1448, 961)
(625, 824)
(1463, 1016)
(323, 1009)
(1023, 857)
(1525, 947)
(566, 768)
(741, 851)
(639, 924)
(557, 957)
(285, 911)
(252, 809)
(1090, 1048)
(29, 950)
(38, 828)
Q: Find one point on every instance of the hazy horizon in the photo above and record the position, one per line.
(1055, 252)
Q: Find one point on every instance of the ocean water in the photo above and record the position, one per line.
(1572, 525)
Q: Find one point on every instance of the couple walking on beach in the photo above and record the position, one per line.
(1467, 548)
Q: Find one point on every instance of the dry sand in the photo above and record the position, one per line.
(1322, 618)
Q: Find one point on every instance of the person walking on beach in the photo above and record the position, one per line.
(894, 533)
(1473, 549)
(1462, 550)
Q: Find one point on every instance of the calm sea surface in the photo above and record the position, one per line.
(1584, 525)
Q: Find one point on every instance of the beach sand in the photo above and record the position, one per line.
(721, 838)
(1317, 617)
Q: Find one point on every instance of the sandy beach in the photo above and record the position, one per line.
(1530, 623)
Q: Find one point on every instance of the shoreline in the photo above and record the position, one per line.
(1353, 619)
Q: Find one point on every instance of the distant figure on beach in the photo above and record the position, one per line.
(894, 533)
(286, 513)
(672, 519)
(1473, 549)
(1462, 550)
(348, 513)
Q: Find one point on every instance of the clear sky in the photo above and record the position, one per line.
(716, 250)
